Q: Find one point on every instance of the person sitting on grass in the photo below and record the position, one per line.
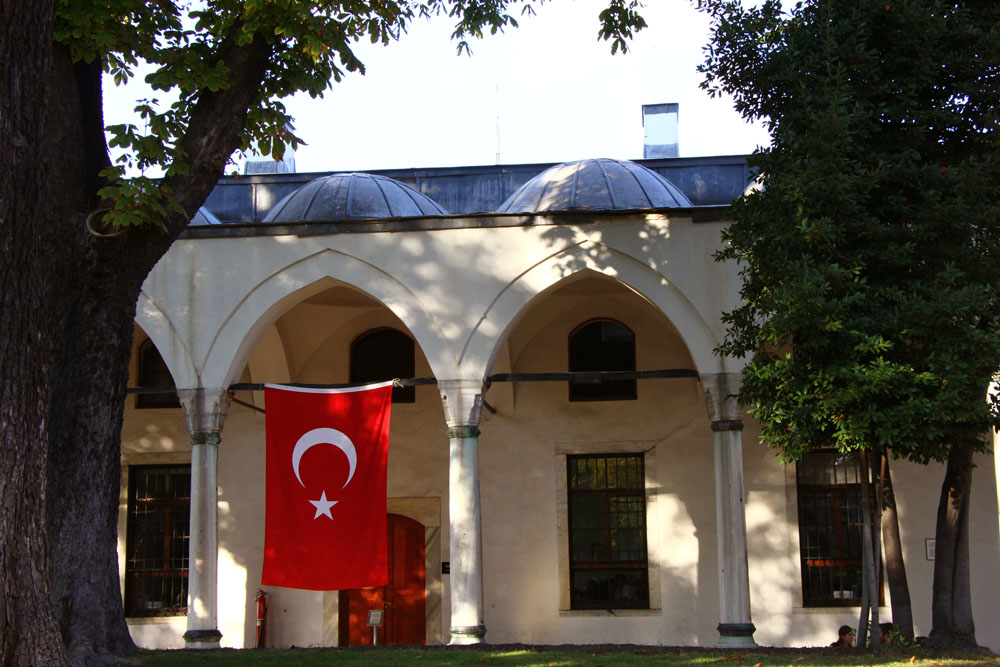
(885, 632)
(845, 637)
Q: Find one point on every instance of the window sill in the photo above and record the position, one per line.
(152, 620)
(827, 610)
(608, 613)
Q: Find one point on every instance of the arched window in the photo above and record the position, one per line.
(153, 372)
(602, 345)
(384, 354)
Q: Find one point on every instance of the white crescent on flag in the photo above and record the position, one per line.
(327, 436)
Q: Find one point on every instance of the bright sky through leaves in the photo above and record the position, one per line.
(559, 94)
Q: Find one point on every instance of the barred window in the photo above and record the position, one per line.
(384, 354)
(830, 528)
(602, 345)
(607, 532)
(153, 372)
(156, 546)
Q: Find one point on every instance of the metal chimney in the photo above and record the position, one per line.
(659, 124)
(263, 164)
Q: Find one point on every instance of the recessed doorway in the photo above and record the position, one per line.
(404, 598)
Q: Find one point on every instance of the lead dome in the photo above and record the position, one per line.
(353, 196)
(599, 184)
(204, 217)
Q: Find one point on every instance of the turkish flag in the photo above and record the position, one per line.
(325, 519)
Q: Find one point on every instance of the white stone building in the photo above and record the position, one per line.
(526, 509)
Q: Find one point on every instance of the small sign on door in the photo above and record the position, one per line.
(375, 617)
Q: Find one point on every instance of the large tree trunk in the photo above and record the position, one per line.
(28, 631)
(895, 569)
(91, 314)
(952, 602)
(91, 309)
(85, 453)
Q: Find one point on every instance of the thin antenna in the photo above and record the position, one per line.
(498, 120)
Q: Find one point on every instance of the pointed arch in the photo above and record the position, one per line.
(156, 323)
(264, 302)
(570, 263)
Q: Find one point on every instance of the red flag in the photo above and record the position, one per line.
(325, 523)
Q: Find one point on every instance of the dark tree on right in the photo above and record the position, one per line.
(870, 253)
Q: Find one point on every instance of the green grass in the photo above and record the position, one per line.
(562, 657)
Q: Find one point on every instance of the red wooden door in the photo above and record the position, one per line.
(404, 599)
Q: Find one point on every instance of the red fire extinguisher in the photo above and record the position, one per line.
(262, 598)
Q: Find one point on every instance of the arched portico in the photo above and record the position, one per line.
(236, 302)
(206, 409)
(734, 625)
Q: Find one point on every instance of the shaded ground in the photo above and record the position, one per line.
(598, 655)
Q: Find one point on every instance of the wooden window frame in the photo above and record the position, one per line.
(843, 563)
(135, 607)
(611, 567)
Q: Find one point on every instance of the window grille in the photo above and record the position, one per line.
(602, 345)
(830, 528)
(384, 354)
(607, 532)
(157, 535)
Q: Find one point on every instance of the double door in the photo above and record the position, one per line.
(403, 599)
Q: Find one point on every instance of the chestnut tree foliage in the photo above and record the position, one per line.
(300, 46)
(870, 253)
(79, 237)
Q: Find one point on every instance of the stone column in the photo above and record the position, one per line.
(462, 401)
(204, 412)
(735, 627)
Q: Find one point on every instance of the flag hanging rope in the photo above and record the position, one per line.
(580, 377)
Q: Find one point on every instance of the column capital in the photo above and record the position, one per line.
(727, 425)
(721, 391)
(204, 412)
(462, 401)
(463, 432)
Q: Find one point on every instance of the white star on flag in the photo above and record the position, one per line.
(323, 506)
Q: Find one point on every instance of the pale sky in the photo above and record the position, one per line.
(555, 93)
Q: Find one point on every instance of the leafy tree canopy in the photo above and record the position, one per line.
(300, 45)
(869, 254)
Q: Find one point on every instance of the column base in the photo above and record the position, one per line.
(202, 639)
(467, 634)
(736, 635)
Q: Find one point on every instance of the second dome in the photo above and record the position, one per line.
(601, 184)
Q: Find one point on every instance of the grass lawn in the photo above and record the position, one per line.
(577, 656)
